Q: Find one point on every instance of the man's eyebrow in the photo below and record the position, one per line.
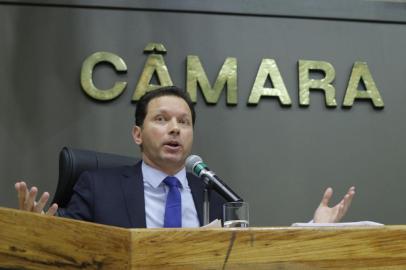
(158, 111)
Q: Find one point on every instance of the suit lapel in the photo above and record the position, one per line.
(196, 187)
(133, 189)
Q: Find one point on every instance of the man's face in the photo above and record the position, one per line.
(166, 135)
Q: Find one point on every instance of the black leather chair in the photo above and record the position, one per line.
(72, 162)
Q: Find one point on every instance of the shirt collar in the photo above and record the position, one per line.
(154, 177)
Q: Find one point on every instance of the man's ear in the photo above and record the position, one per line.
(136, 132)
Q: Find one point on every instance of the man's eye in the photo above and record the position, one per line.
(159, 118)
(184, 122)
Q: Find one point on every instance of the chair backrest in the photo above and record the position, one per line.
(72, 162)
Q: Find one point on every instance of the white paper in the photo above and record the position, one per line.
(340, 224)
(214, 224)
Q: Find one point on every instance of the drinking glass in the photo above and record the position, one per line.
(236, 215)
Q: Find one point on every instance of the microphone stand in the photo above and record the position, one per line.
(206, 202)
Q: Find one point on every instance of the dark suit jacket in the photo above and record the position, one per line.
(116, 197)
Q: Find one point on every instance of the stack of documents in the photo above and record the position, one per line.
(340, 224)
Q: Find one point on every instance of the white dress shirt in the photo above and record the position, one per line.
(155, 193)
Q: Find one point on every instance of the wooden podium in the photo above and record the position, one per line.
(32, 241)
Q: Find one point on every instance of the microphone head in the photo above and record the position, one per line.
(191, 162)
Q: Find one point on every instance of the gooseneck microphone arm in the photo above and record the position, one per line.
(195, 165)
(220, 186)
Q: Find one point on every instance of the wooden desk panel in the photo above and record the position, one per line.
(33, 241)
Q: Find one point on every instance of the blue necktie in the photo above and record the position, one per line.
(173, 208)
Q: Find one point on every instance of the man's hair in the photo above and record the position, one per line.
(142, 104)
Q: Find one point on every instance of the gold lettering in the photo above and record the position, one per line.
(360, 71)
(197, 75)
(305, 83)
(86, 76)
(155, 48)
(155, 64)
(269, 68)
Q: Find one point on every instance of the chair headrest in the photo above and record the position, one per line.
(72, 162)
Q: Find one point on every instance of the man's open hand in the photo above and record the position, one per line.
(326, 214)
(27, 199)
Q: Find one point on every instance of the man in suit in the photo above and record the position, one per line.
(140, 196)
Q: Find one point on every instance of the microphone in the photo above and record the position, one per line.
(196, 166)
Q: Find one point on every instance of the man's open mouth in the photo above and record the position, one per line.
(173, 144)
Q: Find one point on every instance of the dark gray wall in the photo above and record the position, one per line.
(279, 159)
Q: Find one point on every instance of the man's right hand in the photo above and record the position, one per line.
(27, 202)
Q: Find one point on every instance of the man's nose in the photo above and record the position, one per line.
(174, 126)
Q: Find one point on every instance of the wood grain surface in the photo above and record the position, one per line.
(271, 248)
(33, 241)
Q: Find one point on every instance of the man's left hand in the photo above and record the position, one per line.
(326, 214)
